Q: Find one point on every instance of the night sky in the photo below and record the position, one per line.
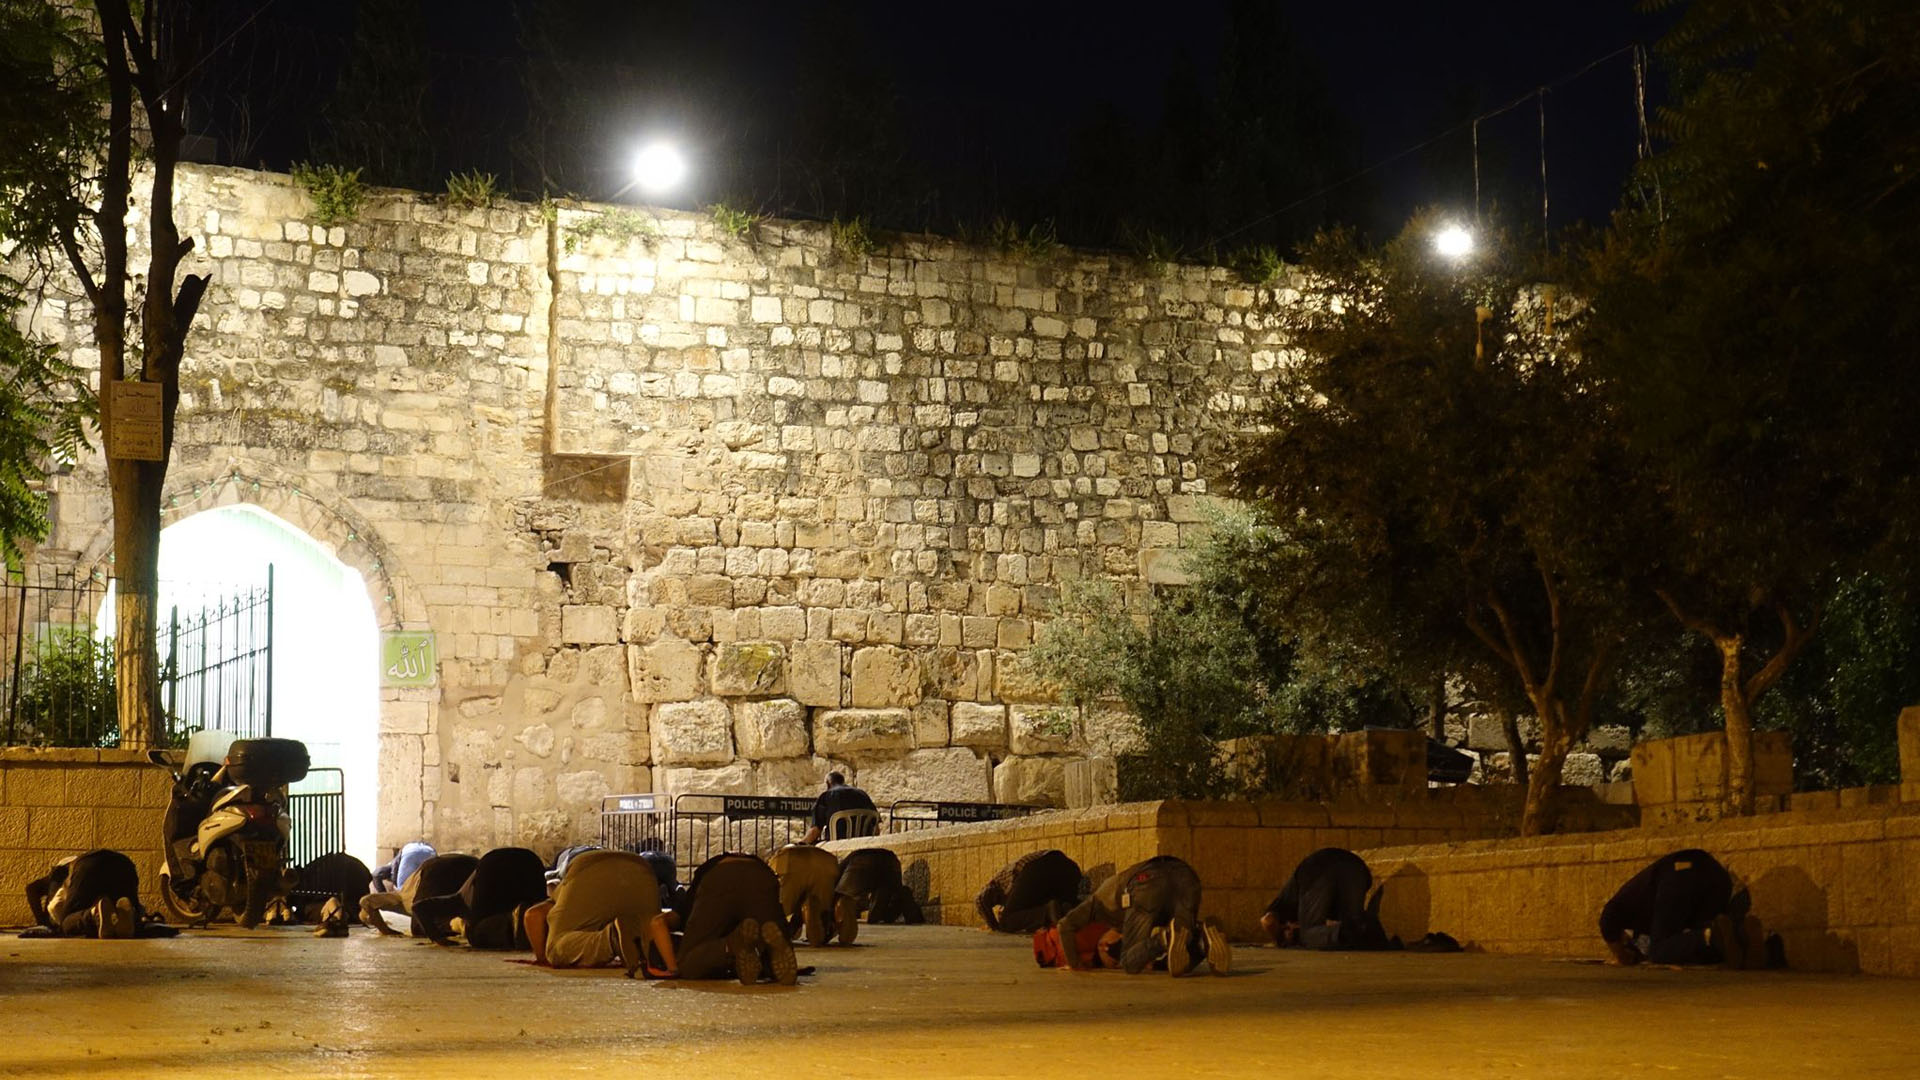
(988, 102)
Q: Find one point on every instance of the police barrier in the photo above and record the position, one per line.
(908, 815)
(706, 825)
(638, 822)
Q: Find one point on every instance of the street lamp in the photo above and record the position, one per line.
(1453, 242)
(658, 168)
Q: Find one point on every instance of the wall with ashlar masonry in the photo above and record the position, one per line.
(692, 512)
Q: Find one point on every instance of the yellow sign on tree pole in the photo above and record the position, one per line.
(134, 426)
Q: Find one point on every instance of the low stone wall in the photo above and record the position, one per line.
(1244, 851)
(55, 803)
(1840, 884)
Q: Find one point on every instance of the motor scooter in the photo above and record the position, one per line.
(226, 826)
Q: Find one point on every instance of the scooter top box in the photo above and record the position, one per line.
(267, 762)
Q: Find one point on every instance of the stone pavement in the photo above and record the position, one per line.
(917, 1002)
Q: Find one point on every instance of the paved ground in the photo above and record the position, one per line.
(917, 1002)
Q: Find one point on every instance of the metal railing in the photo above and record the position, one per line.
(317, 816)
(909, 815)
(695, 826)
(57, 680)
(218, 665)
(57, 663)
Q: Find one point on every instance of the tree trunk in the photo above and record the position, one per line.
(1738, 710)
(1544, 785)
(1437, 710)
(1516, 748)
(135, 486)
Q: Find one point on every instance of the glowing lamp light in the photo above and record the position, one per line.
(1454, 242)
(658, 168)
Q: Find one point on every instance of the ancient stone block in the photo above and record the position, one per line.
(1165, 566)
(930, 724)
(953, 674)
(667, 670)
(794, 777)
(1092, 781)
(750, 669)
(580, 792)
(734, 779)
(616, 748)
(770, 729)
(1040, 781)
(588, 624)
(1040, 729)
(1583, 770)
(537, 738)
(885, 675)
(951, 774)
(982, 726)
(1015, 680)
(850, 731)
(692, 733)
(1111, 730)
(813, 672)
(588, 714)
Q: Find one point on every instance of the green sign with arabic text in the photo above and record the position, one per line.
(407, 658)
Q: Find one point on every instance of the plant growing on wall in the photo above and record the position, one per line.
(336, 192)
(93, 100)
(851, 240)
(471, 190)
(1037, 241)
(618, 226)
(733, 222)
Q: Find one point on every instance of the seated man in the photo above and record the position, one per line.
(1031, 892)
(839, 796)
(870, 881)
(1163, 894)
(732, 925)
(808, 876)
(1324, 905)
(384, 891)
(92, 895)
(601, 914)
(1665, 914)
(504, 881)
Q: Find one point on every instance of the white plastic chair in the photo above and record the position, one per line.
(848, 824)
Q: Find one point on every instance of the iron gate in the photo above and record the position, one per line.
(317, 816)
(218, 665)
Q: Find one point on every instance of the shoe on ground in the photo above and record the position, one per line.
(1624, 954)
(780, 959)
(744, 945)
(1180, 958)
(1219, 950)
(103, 920)
(1724, 937)
(846, 911)
(628, 944)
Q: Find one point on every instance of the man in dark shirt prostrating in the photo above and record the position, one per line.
(1031, 892)
(1324, 905)
(1676, 911)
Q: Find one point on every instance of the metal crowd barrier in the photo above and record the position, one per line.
(909, 815)
(641, 822)
(695, 826)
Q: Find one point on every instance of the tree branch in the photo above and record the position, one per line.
(1514, 646)
(1698, 626)
(1794, 643)
(1555, 643)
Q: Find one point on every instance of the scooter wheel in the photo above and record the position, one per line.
(180, 909)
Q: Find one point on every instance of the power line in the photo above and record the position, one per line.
(1470, 123)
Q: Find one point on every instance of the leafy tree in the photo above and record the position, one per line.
(66, 692)
(69, 176)
(1201, 663)
(1754, 325)
(1433, 454)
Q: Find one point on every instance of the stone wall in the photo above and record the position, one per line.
(686, 511)
(1244, 852)
(56, 803)
(1840, 884)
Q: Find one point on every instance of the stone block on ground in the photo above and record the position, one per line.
(843, 732)
(1583, 770)
(692, 733)
(770, 729)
